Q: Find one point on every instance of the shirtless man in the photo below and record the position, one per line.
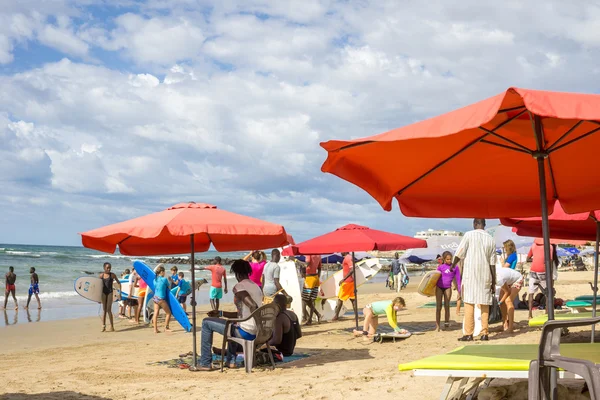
(34, 288)
(10, 287)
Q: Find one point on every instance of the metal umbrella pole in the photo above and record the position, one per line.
(193, 303)
(540, 155)
(355, 292)
(595, 288)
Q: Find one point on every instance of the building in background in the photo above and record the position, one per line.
(430, 233)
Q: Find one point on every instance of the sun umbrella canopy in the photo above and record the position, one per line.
(168, 232)
(580, 226)
(449, 165)
(352, 237)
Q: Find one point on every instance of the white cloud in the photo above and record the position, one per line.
(157, 40)
(226, 102)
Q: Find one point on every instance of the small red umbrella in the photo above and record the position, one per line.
(186, 227)
(351, 238)
(581, 226)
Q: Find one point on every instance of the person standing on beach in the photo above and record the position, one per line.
(218, 283)
(11, 289)
(310, 291)
(478, 250)
(174, 278)
(399, 271)
(107, 295)
(537, 272)
(161, 287)
(142, 289)
(346, 286)
(257, 264)
(271, 273)
(34, 288)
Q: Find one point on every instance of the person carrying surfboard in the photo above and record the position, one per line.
(388, 308)
(108, 278)
(346, 286)
(161, 287)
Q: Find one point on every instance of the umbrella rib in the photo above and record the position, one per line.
(479, 139)
(440, 164)
(349, 146)
(551, 170)
(511, 109)
(567, 133)
(492, 132)
(506, 146)
(574, 140)
(119, 244)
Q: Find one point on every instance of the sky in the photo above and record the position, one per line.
(112, 109)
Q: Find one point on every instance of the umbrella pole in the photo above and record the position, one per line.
(540, 156)
(355, 292)
(193, 302)
(594, 302)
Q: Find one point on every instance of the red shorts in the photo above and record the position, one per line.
(10, 287)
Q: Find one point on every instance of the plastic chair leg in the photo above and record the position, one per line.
(533, 384)
(271, 356)
(248, 355)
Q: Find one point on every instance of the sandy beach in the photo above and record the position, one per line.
(72, 359)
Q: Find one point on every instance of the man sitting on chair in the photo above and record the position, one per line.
(287, 328)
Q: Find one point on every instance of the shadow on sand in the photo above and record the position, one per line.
(63, 395)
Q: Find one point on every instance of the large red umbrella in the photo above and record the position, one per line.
(580, 226)
(186, 227)
(451, 165)
(351, 238)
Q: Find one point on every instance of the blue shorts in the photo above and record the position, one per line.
(215, 293)
(34, 289)
(182, 299)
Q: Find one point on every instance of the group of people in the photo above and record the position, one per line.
(480, 280)
(10, 280)
(257, 283)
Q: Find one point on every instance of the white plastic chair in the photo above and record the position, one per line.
(264, 319)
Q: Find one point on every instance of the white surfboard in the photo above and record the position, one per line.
(478, 326)
(125, 290)
(90, 287)
(365, 270)
(288, 277)
(327, 309)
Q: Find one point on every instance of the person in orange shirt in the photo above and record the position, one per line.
(537, 272)
(311, 288)
(346, 286)
(218, 275)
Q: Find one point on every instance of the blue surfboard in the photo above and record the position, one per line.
(148, 275)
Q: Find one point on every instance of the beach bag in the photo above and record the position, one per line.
(495, 314)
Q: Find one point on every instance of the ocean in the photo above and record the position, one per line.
(59, 266)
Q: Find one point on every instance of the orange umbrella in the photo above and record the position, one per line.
(186, 227)
(495, 158)
(169, 231)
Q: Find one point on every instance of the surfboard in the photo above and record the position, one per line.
(478, 326)
(125, 290)
(288, 278)
(365, 271)
(327, 309)
(148, 276)
(392, 336)
(428, 283)
(90, 287)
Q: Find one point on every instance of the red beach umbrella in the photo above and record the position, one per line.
(351, 238)
(186, 227)
(580, 226)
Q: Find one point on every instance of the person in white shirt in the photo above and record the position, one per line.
(510, 283)
(247, 297)
(478, 250)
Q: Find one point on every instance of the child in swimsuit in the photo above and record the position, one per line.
(386, 307)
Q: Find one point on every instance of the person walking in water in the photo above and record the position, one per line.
(34, 288)
(107, 295)
(11, 289)
(478, 250)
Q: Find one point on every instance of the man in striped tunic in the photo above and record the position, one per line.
(478, 250)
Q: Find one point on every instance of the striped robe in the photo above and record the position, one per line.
(478, 250)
